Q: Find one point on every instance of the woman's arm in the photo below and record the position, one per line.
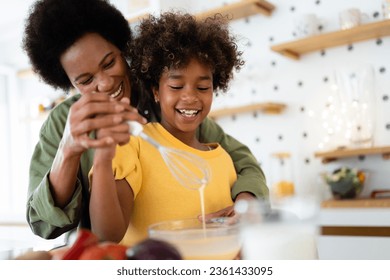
(57, 180)
(45, 218)
(250, 177)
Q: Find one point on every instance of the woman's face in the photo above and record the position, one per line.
(185, 96)
(93, 65)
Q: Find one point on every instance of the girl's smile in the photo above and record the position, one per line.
(185, 96)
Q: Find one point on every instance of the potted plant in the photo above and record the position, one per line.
(345, 182)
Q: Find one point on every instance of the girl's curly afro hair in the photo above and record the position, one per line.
(54, 25)
(173, 38)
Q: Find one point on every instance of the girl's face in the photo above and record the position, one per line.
(185, 97)
(95, 65)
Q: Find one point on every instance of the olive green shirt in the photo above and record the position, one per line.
(49, 221)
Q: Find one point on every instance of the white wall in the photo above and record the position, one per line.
(304, 85)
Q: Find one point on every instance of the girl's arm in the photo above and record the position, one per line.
(111, 200)
(110, 206)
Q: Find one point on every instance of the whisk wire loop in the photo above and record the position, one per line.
(189, 169)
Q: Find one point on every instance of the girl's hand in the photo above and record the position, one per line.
(225, 212)
(228, 211)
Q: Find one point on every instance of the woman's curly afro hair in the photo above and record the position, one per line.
(54, 25)
(173, 38)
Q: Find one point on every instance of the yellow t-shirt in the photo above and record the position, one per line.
(158, 195)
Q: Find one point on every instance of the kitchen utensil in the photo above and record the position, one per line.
(190, 170)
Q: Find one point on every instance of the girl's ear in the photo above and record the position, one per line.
(156, 95)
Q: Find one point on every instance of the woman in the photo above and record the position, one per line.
(84, 44)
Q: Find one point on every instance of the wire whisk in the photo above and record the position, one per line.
(190, 170)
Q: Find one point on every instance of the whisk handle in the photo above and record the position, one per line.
(136, 129)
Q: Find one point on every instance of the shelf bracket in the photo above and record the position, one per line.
(290, 54)
(386, 156)
(328, 159)
(264, 7)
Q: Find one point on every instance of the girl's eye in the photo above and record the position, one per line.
(203, 88)
(175, 87)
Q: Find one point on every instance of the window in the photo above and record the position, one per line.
(20, 123)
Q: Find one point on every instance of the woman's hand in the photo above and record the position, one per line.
(118, 134)
(98, 111)
(91, 113)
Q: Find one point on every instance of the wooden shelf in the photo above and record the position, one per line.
(267, 108)
(357, 203)
(329, 156)
(237, 10)
(295, 49)
(241, 9)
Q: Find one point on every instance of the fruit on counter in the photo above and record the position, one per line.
(85, 239)
(87, 247)
(153, 249)
(104, 251)
(35, 255)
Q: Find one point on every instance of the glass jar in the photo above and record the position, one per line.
(282, 181)
(355, 83)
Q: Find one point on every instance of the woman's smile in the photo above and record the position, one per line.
(103, 68)
(117, 92)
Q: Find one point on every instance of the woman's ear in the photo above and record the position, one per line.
(156, 95)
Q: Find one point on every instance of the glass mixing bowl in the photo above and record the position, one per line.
(219, 240)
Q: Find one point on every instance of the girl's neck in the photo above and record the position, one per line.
(188, 138)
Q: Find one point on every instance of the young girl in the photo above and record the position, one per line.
(180, 62)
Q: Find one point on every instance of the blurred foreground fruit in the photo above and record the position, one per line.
(85, 238)
(35, 255)
(152, 249)
(104, 251)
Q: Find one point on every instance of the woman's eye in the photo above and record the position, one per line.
(109, 64)
(86, 82)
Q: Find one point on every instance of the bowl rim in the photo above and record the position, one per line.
(193, 223)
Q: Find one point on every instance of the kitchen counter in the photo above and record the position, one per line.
(355, 229)
(16, 239)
